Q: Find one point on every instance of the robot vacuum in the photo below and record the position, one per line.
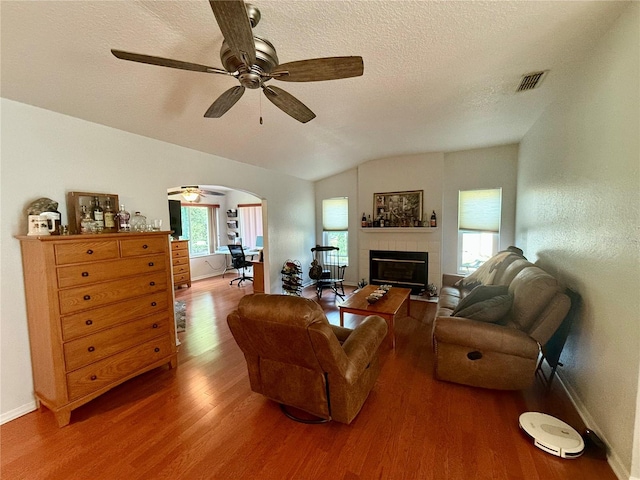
(552, 435)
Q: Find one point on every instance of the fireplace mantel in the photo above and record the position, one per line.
(399, 229)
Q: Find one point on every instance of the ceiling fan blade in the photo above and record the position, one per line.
(234, 23)
(211, 192)
(166, 62)
(224, 102)
(289, 104)
(318, 69)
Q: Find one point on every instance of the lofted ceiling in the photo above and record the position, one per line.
(438, 75)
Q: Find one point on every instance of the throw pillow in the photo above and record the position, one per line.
(479, 294)
(485, 273)
(490, 310)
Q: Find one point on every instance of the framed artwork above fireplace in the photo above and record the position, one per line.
(400, 209)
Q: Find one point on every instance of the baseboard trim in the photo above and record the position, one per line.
(18, 412)
(612, 458)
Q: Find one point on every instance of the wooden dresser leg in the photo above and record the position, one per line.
(173, 363)
(63, 417)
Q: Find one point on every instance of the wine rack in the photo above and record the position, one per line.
(292, 277)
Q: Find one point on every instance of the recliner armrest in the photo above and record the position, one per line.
(341, 332)
(484, 336)
(363, 343)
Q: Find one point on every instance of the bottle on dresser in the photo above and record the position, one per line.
(97, 213)
(109, 216)
(86, 223)
(122, 220)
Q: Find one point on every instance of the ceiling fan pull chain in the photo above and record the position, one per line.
(260, 109)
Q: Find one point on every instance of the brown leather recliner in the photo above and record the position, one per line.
(298, 359)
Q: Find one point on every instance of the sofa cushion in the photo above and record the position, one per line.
(480, 294)
(532, 289)
(489, 270)
(491, 310)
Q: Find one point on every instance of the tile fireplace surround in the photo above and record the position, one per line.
(403, 240)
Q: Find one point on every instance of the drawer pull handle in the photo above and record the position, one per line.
(155, 325)
(89, 252)
(156, 349)
(151, 264)
(94, 377)
(91, 349)
(153, 304)
(85, 274)
(87, 297)
(89, 322)
(145, 246)
(153, 284)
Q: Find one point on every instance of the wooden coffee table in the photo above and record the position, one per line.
(386, 307)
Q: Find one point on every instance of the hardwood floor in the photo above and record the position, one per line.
(201, 421)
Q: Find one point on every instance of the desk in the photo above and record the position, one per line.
(386, 307)
(247, 253)
(258, 277)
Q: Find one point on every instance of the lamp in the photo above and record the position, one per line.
(190, 195)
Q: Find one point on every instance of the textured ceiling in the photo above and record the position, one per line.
(438, 76)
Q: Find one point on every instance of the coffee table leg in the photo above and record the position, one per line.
(341, 318)
(392, 334)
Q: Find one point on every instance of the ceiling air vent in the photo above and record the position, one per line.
(531, 80)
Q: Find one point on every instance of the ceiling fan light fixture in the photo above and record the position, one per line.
(190, 196)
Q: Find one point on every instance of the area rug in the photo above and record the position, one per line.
(181, 315)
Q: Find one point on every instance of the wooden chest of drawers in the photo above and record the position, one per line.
(100, 311)
(180, 261)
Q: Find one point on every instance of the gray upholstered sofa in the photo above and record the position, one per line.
(490, 326)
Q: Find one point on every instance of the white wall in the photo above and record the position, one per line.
(396, 174)
(45, 154)
(440, 176)
(578, 215)
(494, 167)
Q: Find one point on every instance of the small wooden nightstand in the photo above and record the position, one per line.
(180, 261)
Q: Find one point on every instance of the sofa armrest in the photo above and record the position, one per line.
(362, 345)
(484, 336)
(449, 279)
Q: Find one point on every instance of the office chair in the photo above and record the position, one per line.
(240, 263)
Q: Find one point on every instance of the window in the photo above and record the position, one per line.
(250, 224)
(335, 225)
(199, 227)
(479, 213)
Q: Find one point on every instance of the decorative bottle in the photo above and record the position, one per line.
(122, 220)
(138, 222)
(433, 222)
(86, 224)
(109, 216)
(364, 220)
(98, 214)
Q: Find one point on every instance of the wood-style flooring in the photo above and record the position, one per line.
(201, 420)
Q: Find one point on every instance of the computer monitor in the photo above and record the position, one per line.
(259, 241)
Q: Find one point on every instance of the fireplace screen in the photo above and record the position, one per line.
(400, 269)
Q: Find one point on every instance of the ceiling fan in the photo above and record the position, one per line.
(191, 192)
(253, 61)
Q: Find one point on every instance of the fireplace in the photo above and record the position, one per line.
(399, 269)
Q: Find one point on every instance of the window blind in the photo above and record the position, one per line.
(480, 210)
(335, 214)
